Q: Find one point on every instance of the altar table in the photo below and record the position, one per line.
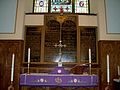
(58, 78)
(53, 80)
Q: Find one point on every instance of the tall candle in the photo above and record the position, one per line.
(118, 70)
(89, 55)
(108, 69)
(12, 68)
(28, 55)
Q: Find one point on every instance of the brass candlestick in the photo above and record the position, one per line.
(108, 86)
(28, 68)
(11, 86)
(90, 68)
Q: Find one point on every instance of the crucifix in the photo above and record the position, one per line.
(60, 18)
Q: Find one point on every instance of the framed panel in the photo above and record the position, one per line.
(68, 29)
(8, 11)
(51, 38)
(88, 40)
(33, 41)
(69, 38)
(112, 16)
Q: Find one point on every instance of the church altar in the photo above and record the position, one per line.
(59, 77)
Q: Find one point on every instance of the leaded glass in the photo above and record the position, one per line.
(41, 6)
(81, 6)
(57, 5)
(66, 6)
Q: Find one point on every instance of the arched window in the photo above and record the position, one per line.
(55, 6)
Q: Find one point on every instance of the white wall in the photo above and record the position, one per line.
(28, 6)
(102, 26)
(93, 6)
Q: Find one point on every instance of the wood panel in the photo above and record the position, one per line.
(88, 36)
(33, 41)
(64, 28)
(7, 48)
(113, 49)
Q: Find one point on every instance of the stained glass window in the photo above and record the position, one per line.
(65, 5)
(81, 6)
(41, 6)
(55, 6)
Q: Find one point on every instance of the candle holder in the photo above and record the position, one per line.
(108, 86)
(11, 86)
(28, 68)
(90, 71)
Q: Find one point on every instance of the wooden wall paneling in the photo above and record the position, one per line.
(88, 36)
(118, 53)
(33, 41)
(68, 26)
(7, 48)
(111, 48)
(2, 63)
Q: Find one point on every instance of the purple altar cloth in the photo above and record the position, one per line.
(58, 80)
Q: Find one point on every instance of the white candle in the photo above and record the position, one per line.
(12, 68)
(108, 69)
(28, 55)
(89, 55)
(118, 70)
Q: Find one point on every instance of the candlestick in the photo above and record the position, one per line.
(12, 68)
(11, 87)
(108, 70)
(90, 60)
(28, 60)
(28, 55)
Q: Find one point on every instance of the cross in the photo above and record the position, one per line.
(61, 10)
(60, 45)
